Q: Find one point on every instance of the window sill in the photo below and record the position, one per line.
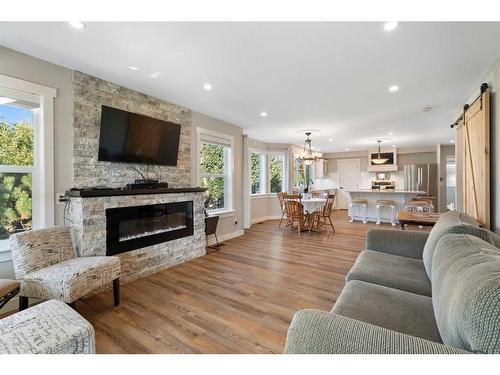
(262, 196)
(222, 213)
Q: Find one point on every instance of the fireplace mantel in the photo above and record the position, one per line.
(92, 193)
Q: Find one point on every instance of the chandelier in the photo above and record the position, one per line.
(379, 160)
(307, 156)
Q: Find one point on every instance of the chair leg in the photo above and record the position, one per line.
(23, 303)
(116, 291)
(331, 224)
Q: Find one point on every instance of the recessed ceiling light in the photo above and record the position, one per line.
(5, 100)
(391, 133)
(394, 88)
(391, 25)
(263, 114)
(207, 86)
(330, 139)
(133, 68)
(155, 74)
(77, 25)
(347, 149)
(452, 141)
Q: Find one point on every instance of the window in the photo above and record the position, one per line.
(26, 158)
(276, 173)
(257, 168)
(215, 169)
(267, 172)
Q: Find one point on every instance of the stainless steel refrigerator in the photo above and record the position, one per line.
(421, 177)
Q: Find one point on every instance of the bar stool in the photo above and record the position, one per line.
(357, 205)
(419, 206)
(382, 203)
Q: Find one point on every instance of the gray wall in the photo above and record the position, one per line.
(31, 69)
(231, 224)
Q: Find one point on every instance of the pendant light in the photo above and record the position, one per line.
(379, 160)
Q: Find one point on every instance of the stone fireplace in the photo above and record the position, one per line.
(149, 232)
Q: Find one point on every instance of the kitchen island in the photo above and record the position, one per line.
(372, 195)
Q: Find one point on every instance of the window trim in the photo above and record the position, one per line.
(229, 183)
(43, 158)
(266, 176)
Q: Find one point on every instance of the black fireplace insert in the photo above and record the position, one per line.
(130, 228)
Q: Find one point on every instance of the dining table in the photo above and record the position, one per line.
(312, 204)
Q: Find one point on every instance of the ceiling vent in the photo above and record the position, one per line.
(427, 109)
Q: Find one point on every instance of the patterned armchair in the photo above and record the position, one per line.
(46, 263)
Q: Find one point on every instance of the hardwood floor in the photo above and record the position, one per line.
(239, 300)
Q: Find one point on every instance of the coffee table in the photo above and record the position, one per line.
(417, 218)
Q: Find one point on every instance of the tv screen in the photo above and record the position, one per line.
(131, 138)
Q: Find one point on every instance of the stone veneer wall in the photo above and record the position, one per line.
(89, 94)
(87, 218)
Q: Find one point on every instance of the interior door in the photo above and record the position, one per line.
(348, 180)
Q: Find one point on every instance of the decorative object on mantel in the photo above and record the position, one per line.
(379, 160)
(307, 156)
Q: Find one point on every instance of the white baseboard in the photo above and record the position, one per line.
(264, 218)
(225, 237)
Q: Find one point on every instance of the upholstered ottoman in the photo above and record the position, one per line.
(51, 327)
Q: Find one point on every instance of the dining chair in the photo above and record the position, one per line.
(295, 215)
(292, 197)
(282, 206)
(323, 215)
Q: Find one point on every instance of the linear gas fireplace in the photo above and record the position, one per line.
(129, 228)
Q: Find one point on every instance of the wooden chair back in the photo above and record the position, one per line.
(281, 200)
(292, 197)
(328, 207)
(294, 209)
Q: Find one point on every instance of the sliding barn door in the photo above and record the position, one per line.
(473, 160)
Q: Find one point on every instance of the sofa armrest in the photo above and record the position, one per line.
(398, 242)
(321, 332)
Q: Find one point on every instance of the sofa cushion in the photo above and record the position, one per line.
(394, 271)
(451, 222)
(466, 293)
(390, 308)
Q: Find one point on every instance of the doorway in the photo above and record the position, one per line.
(348, 180)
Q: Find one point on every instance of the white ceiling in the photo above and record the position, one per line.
(331, 76)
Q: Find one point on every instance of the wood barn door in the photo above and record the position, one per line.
(473, 159)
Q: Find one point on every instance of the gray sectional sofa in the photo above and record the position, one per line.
(413, 293)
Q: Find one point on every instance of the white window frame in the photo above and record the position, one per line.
(216, 138)
(43, 152)
(284, 186)
(263, 172)
(265, 175)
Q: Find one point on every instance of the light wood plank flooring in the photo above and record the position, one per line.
(240, 300)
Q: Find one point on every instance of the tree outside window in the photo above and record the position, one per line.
(16, 163)
(276, 169)
(256, 167)
(214, 174)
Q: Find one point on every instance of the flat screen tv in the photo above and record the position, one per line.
(132, 138)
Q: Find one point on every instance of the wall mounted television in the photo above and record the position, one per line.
(132, 138)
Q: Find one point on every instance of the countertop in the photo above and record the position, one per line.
(386, 191)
